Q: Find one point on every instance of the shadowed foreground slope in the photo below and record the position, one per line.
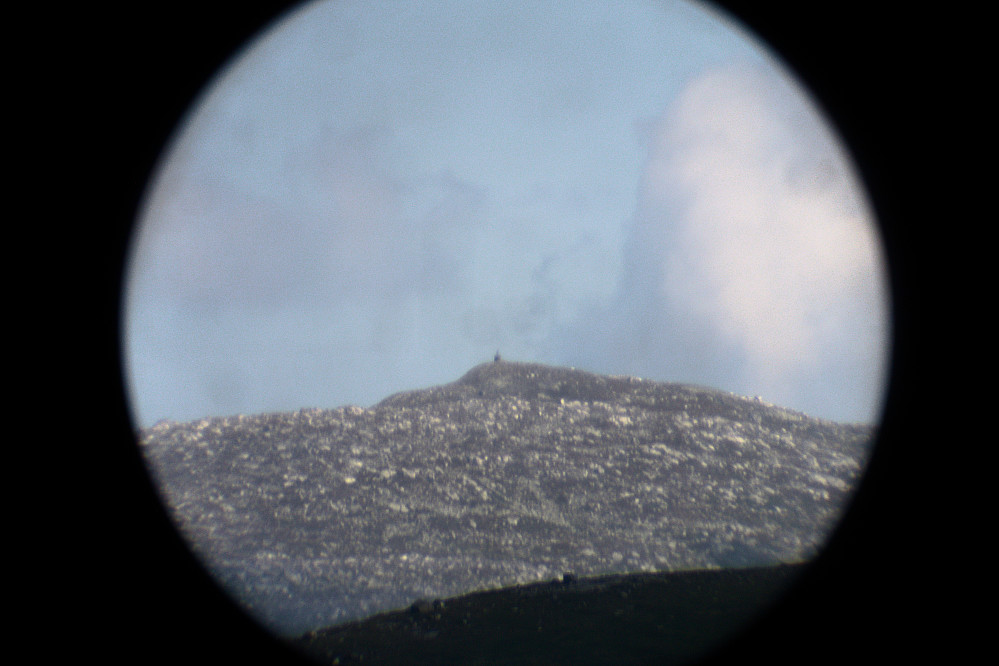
(668, 618)
(511, 475)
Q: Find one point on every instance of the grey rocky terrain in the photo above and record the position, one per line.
(515, 473)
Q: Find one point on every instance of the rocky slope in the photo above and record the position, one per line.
(515, 473)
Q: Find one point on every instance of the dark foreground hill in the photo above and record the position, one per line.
(654, 618)
(514, 474)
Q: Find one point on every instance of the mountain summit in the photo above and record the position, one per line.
(514, 473)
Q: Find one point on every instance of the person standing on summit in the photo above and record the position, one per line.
(496, 359)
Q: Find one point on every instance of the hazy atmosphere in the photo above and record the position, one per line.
(375, 197)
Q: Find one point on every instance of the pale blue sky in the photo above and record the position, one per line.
(374, 197)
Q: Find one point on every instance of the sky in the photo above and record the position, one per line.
(375, 197)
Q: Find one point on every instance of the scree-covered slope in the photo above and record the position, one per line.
(515, 473)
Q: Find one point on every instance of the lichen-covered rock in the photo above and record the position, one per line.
(514, 473)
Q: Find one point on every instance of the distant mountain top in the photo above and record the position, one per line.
(514, 473)
(536, 381)
(523, 380)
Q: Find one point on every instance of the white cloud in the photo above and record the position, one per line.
(768, 240)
